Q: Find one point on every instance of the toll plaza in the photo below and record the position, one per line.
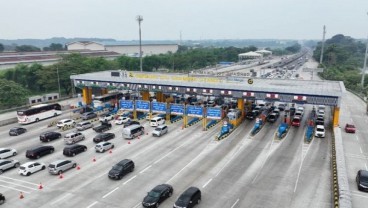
(304, 91)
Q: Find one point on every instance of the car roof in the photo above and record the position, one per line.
(123, 162)
(320, 126)
(16, 128)
(62, 120)
(296, 117)
(29, 163)
(160, 188)
(191, 190)
(100, 143)
(161, 126)
(59, 161)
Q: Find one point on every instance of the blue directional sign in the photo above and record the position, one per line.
(176, 109)
(195, 111)
(126, 105)
(142, 105)
(158, 107)
(214, 113)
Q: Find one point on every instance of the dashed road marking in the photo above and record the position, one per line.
(207, 183)
(129, 179)
(15, 189)
(146, 169)
(235, 203)
(93, 204)
(361, 151)
(110, 192)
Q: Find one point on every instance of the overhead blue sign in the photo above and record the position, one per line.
(176, 109)
(195, 111)
(158, 107)
(214, 113)
(142, 105)
(126, 104)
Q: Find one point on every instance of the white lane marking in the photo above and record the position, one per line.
(110, 192)
(101, 175)
(18, 185)
(129, 179)
(361, 151)
(301, 164)
(146, 169)
(235, 203)
(168, 153)
(207, 183)
(264, 162)
(184, 167)
(354, 194)
(356, 156)
(61, 198)
(19, 180)
(357, 138)
(15, 189)
(93, 204)
(137, 205)
(366, 168)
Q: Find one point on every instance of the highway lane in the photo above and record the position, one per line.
(355, 145)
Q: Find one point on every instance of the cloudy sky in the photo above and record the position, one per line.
(196, 19)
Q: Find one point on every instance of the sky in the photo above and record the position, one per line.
(194, 19)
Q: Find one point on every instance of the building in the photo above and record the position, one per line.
(128, 49)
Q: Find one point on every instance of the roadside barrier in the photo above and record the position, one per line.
(67, 127)
(52, 123)
(211, 124)
(193, 121)
(176, 119)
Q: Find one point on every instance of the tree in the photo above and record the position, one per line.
(27, 48)
(1, 47)
(12, 94)
(54, 47)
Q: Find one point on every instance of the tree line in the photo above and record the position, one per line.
(38, 79)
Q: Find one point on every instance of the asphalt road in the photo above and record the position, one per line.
(239, 171)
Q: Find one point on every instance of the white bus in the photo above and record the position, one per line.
(111, 98)
(38, 112)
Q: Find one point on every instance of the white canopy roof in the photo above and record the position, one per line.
(250, 54)
(264, 51)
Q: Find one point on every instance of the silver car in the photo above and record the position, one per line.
(160, 130)
(104, 146)
(7, 152)
(84, 125)
(59, 166)
(7, 164)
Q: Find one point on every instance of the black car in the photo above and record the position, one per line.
(40, 151)
(74, 149)
(252, 114)
(362, 180)
(189, 198)
(49, 135)
(157, 195)
(16, 131)
(121, 169)
(130, 122)
(103, 137)
(2, 199)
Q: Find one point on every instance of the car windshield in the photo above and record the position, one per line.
(154, 194)
(364, 179)
(51, 166)
(22, 168)
(157, 129)
(320, 129)
(117, 167)
(350, 126)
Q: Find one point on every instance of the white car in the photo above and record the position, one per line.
(106, 117)
(66, 122)
(121, 120)
(7, 164)
(104, 146)
(321, 112)
(7, 152)
(320, 131)
(31, 167)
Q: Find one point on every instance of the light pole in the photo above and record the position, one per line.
(57, 71)
(139, 18)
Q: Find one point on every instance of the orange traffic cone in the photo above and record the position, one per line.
(110, 151)
(139, 137)
(61, 176)
(146, 133)
(128, 142)
(94, 159)
(21, 195)
(40, 186)
(78, 167)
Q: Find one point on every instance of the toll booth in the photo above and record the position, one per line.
(176, 112)
(142, 108)
(194, 113)
(235, 117)
(213, 116)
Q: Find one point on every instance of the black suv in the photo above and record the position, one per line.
(16, 131)
(103, 137)
(362, 180)
(157, 195)
(74, 149)
(130, 122)
(189, 198)
(40, 151)
(121, 169)
(50, 135)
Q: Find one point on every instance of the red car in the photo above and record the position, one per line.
(350, 128)
(296, 121)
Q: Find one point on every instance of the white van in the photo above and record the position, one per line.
(156, 121)
(132, 131)
(73, 137)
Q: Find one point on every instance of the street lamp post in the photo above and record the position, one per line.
(57, 71)
(140, 19)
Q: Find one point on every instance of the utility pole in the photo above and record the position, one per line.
(323, 44)
(57, 71)
(140, 19)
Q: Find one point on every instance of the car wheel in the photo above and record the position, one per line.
(48, 140)
(16, 165)
(51, 151)
(14, 153)
(73, 154)
(1, 172)
(157, 204)
(38, 157)
(120, 177)
(74, 165)
(55, 114)
(170, 194)
(112, 147)
(2, 201)
(37, 119)
(28, 174)
(60, 172)
(198, 201)
(43, 168)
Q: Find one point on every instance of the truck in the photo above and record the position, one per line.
(103, 127)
